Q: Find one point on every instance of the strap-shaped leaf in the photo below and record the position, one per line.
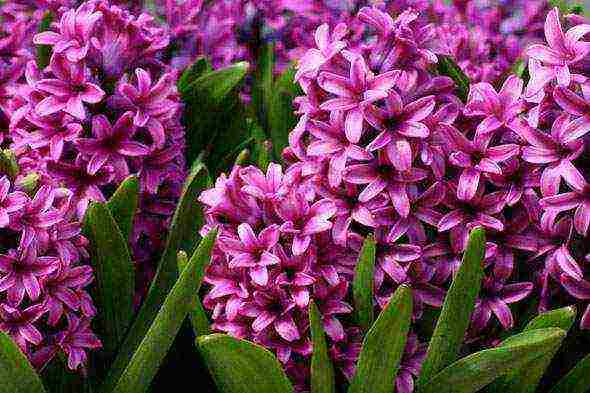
(115, 277)
(182, 235)
(322, 370)
(383, 346)
(575, 381)
(447, 66)
(281, 115)
(527, 378)
(44, 51)
(123, 205)
(475, 371)
(262, 86)
(239, 366)
(200, 67)
(362, 285)
(456, 310)
(213, 87)
(197, 314)
(138, 375)
(16, 373)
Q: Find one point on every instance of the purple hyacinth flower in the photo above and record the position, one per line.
(252, 252)
(580, 289)
(68, 91)
(19, 324)
(578, 199)
(111, 144)
(10, 202)
(21, 271)
(76, 339)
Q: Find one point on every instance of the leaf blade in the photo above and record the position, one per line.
(238, 365)
(16, 373)
(115, 277)
(197, 315)
(123, 205)
(576, 380)
(322, 370)
(384, 345)
(144, 364)
(362, 285)
(456, 310)
(182, 235)
(475, 371)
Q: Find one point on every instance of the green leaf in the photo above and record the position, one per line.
(197, 314)
(115, 277)
(447, 66)
(8, 164)
(44, 51)
(146, 360)
(123, 205)
(577, 380)
(281, 116)
(200, 67)
(16, 373)
(475, 371)
(362, 285)
(383, 346)
(322, 371)
(527, 378)
(183, 235)
(262, 86)
(239, 366)
(456, 310)
(213, 114)
(59, 379)
(562, 318)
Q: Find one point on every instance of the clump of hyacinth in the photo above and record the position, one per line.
(44, 275)
(105, 107)
(386, 148)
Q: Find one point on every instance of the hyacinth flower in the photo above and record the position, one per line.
(563, 50)
(361, 88)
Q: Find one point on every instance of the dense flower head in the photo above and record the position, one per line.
(384, 147)
(104, 108)
(44, 274)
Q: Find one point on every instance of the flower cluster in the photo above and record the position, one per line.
(105, 107)
(44, 305)
(384, 147)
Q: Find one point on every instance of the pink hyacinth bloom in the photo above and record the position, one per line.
(19, 324)
(556, 150)
(111, 144)
(302, 220)
(252, 252)
(10, 202)
(68, 91)
(361, 88)
(21, 272)
(494, 299)
(476, 158)
(328, 46)
(578, 199)
(563, 51)
(149, 102)
(76, 339)
(580, 289)
(498, 109)
(399, 124)
(75, 28)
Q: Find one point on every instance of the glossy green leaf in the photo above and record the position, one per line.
(527, 378)
(577, 380)
(262, 86)
(239, 366)
(183, 235)
(362, 285)
(115, 277)
(562, 318)
(138, 374)
(200, 67)
(44, 51)
(214, 116)
(322, 370)
(456, 310)
(197, 315)
(475, 371)
(448, 67)
(123, 205)
(383, 346)
(281, 115)
(16, 373)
